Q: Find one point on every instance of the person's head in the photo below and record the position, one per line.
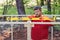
(37, 11)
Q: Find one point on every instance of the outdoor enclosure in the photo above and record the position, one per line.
(21, 30)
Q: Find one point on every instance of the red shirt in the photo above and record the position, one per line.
(40, 31)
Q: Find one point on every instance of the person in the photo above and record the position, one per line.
(39, 31)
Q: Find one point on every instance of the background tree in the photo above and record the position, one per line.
(49, 6)
(59, 5)
(7, 6)
(21, 11)
(20, 7)
(54, 6)
(42, 2)
(37, 1)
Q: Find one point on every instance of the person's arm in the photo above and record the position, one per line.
(47, 19)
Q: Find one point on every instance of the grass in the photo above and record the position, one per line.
(13, 11)
(1, 10)
(29, 11)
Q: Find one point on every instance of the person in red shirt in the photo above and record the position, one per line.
(39, 31)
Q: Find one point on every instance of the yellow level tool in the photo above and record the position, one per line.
(27, 18)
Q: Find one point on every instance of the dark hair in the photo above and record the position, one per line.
(37, 7)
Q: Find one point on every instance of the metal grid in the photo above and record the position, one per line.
(29, 24)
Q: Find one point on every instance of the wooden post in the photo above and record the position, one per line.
(29, 26)
(54, 18)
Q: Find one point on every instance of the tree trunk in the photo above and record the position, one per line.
(21, 11)
(20, 7)
(42, 2)
(5, 9)
(49, 6)
(37, 2)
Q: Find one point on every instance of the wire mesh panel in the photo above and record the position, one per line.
(12, 31)
(18, 28)
(5, 32)
(57, 32)
(18, 33)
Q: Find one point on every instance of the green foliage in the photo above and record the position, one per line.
(57, 27)
(1, 10)
(12, 11)
(29, 11)
(56, 7)
(26, 1)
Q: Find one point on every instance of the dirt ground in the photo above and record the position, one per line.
(22, 34)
